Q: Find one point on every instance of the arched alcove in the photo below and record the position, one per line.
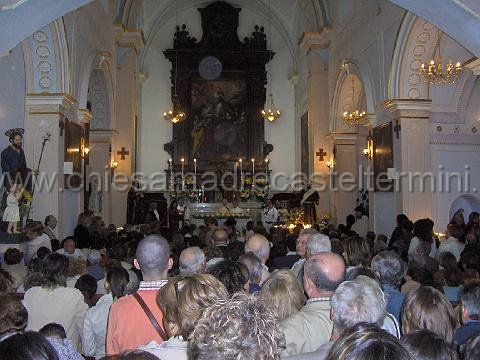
(468, 203)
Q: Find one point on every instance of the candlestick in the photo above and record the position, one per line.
(171, 171)
(183, 180)
(253, 166)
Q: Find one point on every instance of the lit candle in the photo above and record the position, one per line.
(171, 171)
(195, 166)
(266, 164)
(253, 166)
(241, 167)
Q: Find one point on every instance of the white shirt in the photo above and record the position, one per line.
(270, 215)
(451, 245)
(361, 226)
(412, 249)
(30, 247)
(95, 327)
(76, 254)
(174, 348)
(62, 305)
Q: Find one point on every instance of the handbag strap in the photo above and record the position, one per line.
(150, 316)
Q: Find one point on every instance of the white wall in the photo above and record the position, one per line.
(12, 92)
(154, 131)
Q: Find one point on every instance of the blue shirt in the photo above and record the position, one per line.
(395, 300)
(466, 331)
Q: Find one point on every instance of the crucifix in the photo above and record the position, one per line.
(123, 152)
(321, 154)
(397, 128)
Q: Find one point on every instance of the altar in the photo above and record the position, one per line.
(252, 211)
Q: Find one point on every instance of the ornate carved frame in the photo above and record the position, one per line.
(239, 59)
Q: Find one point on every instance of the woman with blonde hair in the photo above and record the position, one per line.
(183, 300)
(283, 292)
(427, 308)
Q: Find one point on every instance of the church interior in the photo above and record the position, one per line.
(99, 75)
(348, 122)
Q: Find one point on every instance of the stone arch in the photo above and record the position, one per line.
(415, 43)
(364, 95)
(96, 85)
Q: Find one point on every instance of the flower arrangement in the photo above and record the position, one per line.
(262, 181)
(24, 204)
(190, 180)
(248, 181)
(262, 194)
(245, 195)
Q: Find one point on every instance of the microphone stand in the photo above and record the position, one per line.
(45, 139)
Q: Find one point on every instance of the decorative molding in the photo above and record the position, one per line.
(98, 99)
(408, 108)
(44, 65)
(455, 139)
(343, 138)
(49, 103)
(102, 135)
(313, 41)
(84, 116)
(474, 65)
(129, 38)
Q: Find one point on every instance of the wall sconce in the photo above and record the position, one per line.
(330, 164)
(368, 151)
(85, 150)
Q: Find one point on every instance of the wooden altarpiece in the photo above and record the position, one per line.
(220, 85)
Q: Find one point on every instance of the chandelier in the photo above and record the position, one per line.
(270, 112)
(436, 72)
(175, 114)
(353, 117)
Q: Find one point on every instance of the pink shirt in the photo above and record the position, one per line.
(129, 326)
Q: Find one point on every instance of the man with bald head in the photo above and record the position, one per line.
(128, 324)
(221, 240)
(311, 327)
(192, 260)
(260, 247)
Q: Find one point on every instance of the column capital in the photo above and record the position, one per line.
(474, 65)
(129, 38)
(408, 108)
(342, 138)
(102, 135)
(315, 40)
(46, 103)
(84, 116)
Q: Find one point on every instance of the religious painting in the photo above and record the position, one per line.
(73, 140)
(305, 153)
(219, 128)
(382, 156)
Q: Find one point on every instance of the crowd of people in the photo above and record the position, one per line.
(213, 292)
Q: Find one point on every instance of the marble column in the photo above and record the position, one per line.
(344, 176)
(315, 45)
(46, 114)
(412, 156)
(100, 166)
